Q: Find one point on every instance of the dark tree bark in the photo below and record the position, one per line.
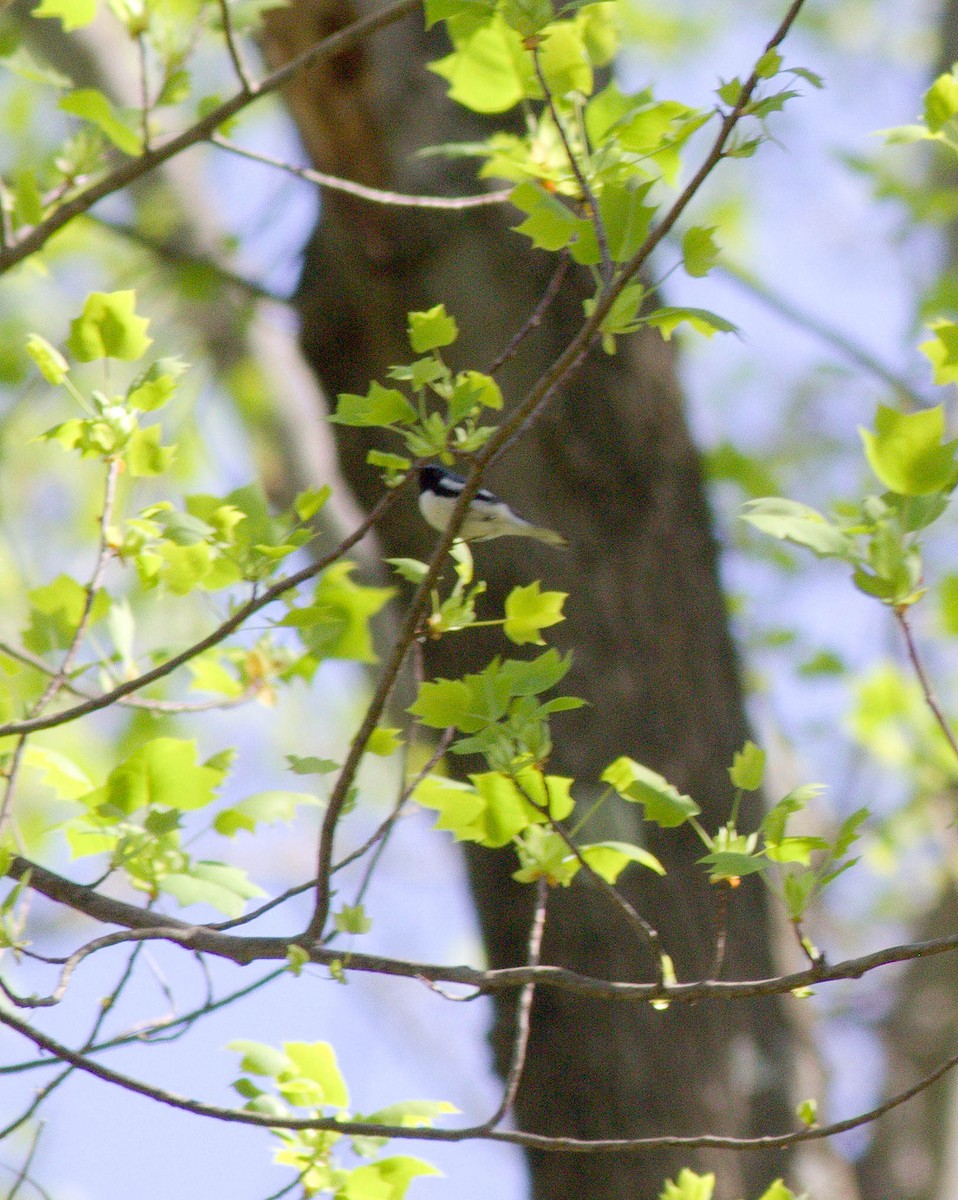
(611, 464)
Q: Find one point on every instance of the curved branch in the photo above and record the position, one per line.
(145, 924)
(468, 1133)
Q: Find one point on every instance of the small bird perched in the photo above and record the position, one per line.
(487, 516)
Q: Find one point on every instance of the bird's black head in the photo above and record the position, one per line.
(439, 480)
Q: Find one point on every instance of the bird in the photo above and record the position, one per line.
(487, 516)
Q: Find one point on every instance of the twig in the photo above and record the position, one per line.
(59, 677)
(248, 85)
(24, 1172)
(246, 950)
(535, 320)
(520, 1044)
(219, 634)
(927, 690)
(144, 91)
(108, 1003)
(647, 934)
(468, 1133)
(352, 188)
(588, 196)
(811, 323)
(33, 239)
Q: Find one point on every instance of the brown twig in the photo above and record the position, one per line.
(520, 1043)
(588, 196)
(352, 188)
(538, 313)
(219, 634)
(32, 239)
(468, 1133)
(927, 690)
(249, 87)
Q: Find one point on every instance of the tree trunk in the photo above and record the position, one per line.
(611, 465)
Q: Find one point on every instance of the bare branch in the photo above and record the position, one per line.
(29, 240)
(249, 87)
(927, 690)
(468, 1133)
(376, 195)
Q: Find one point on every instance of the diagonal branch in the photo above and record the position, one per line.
(33, 238)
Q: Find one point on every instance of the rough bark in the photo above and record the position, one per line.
(611, 464)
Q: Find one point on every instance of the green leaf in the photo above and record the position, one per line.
(316, 1061)
(662, 803)
(336, 624)
(352, 918)
(410, 569)
(92, 105)
(942, 351)
(564, 60)
(432, 329)
(667, 320)
(748, 768)
(791, 521)
(550, 224)
(308, 503)
(386, 1179)
(689, 1187)
(941, 102)
(162, 773)
(489, 71)
(108, 327)
(145, 455)
(442, 703)
(53, 366)
(224, 888)
(28, 201)
(732, 864)
(57, 771)
(411, 1114)
(908, 453)
(528, 610)
(768, 65)
(699, 251)
(259, 1058)
(380, 406)
(72, 14)
(807, 1113)
(262, 808)
(527, 17)
(384, 742)
(56, 610)
(609, 859)
(310, 765)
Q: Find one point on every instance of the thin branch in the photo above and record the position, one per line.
(246, 950)
(59, 677)
(588, 196)
(538, 313)
(813, 324)
(32, 239)
(24, 1172)
(177, 707)
(219, 634)
(647, 934)
(144, 91)
(108, 1003)
(376, 195)
(248, 85)
(927, 690)
(520, 1044)
(468, 1133)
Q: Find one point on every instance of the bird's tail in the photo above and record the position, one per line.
(549, 536)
